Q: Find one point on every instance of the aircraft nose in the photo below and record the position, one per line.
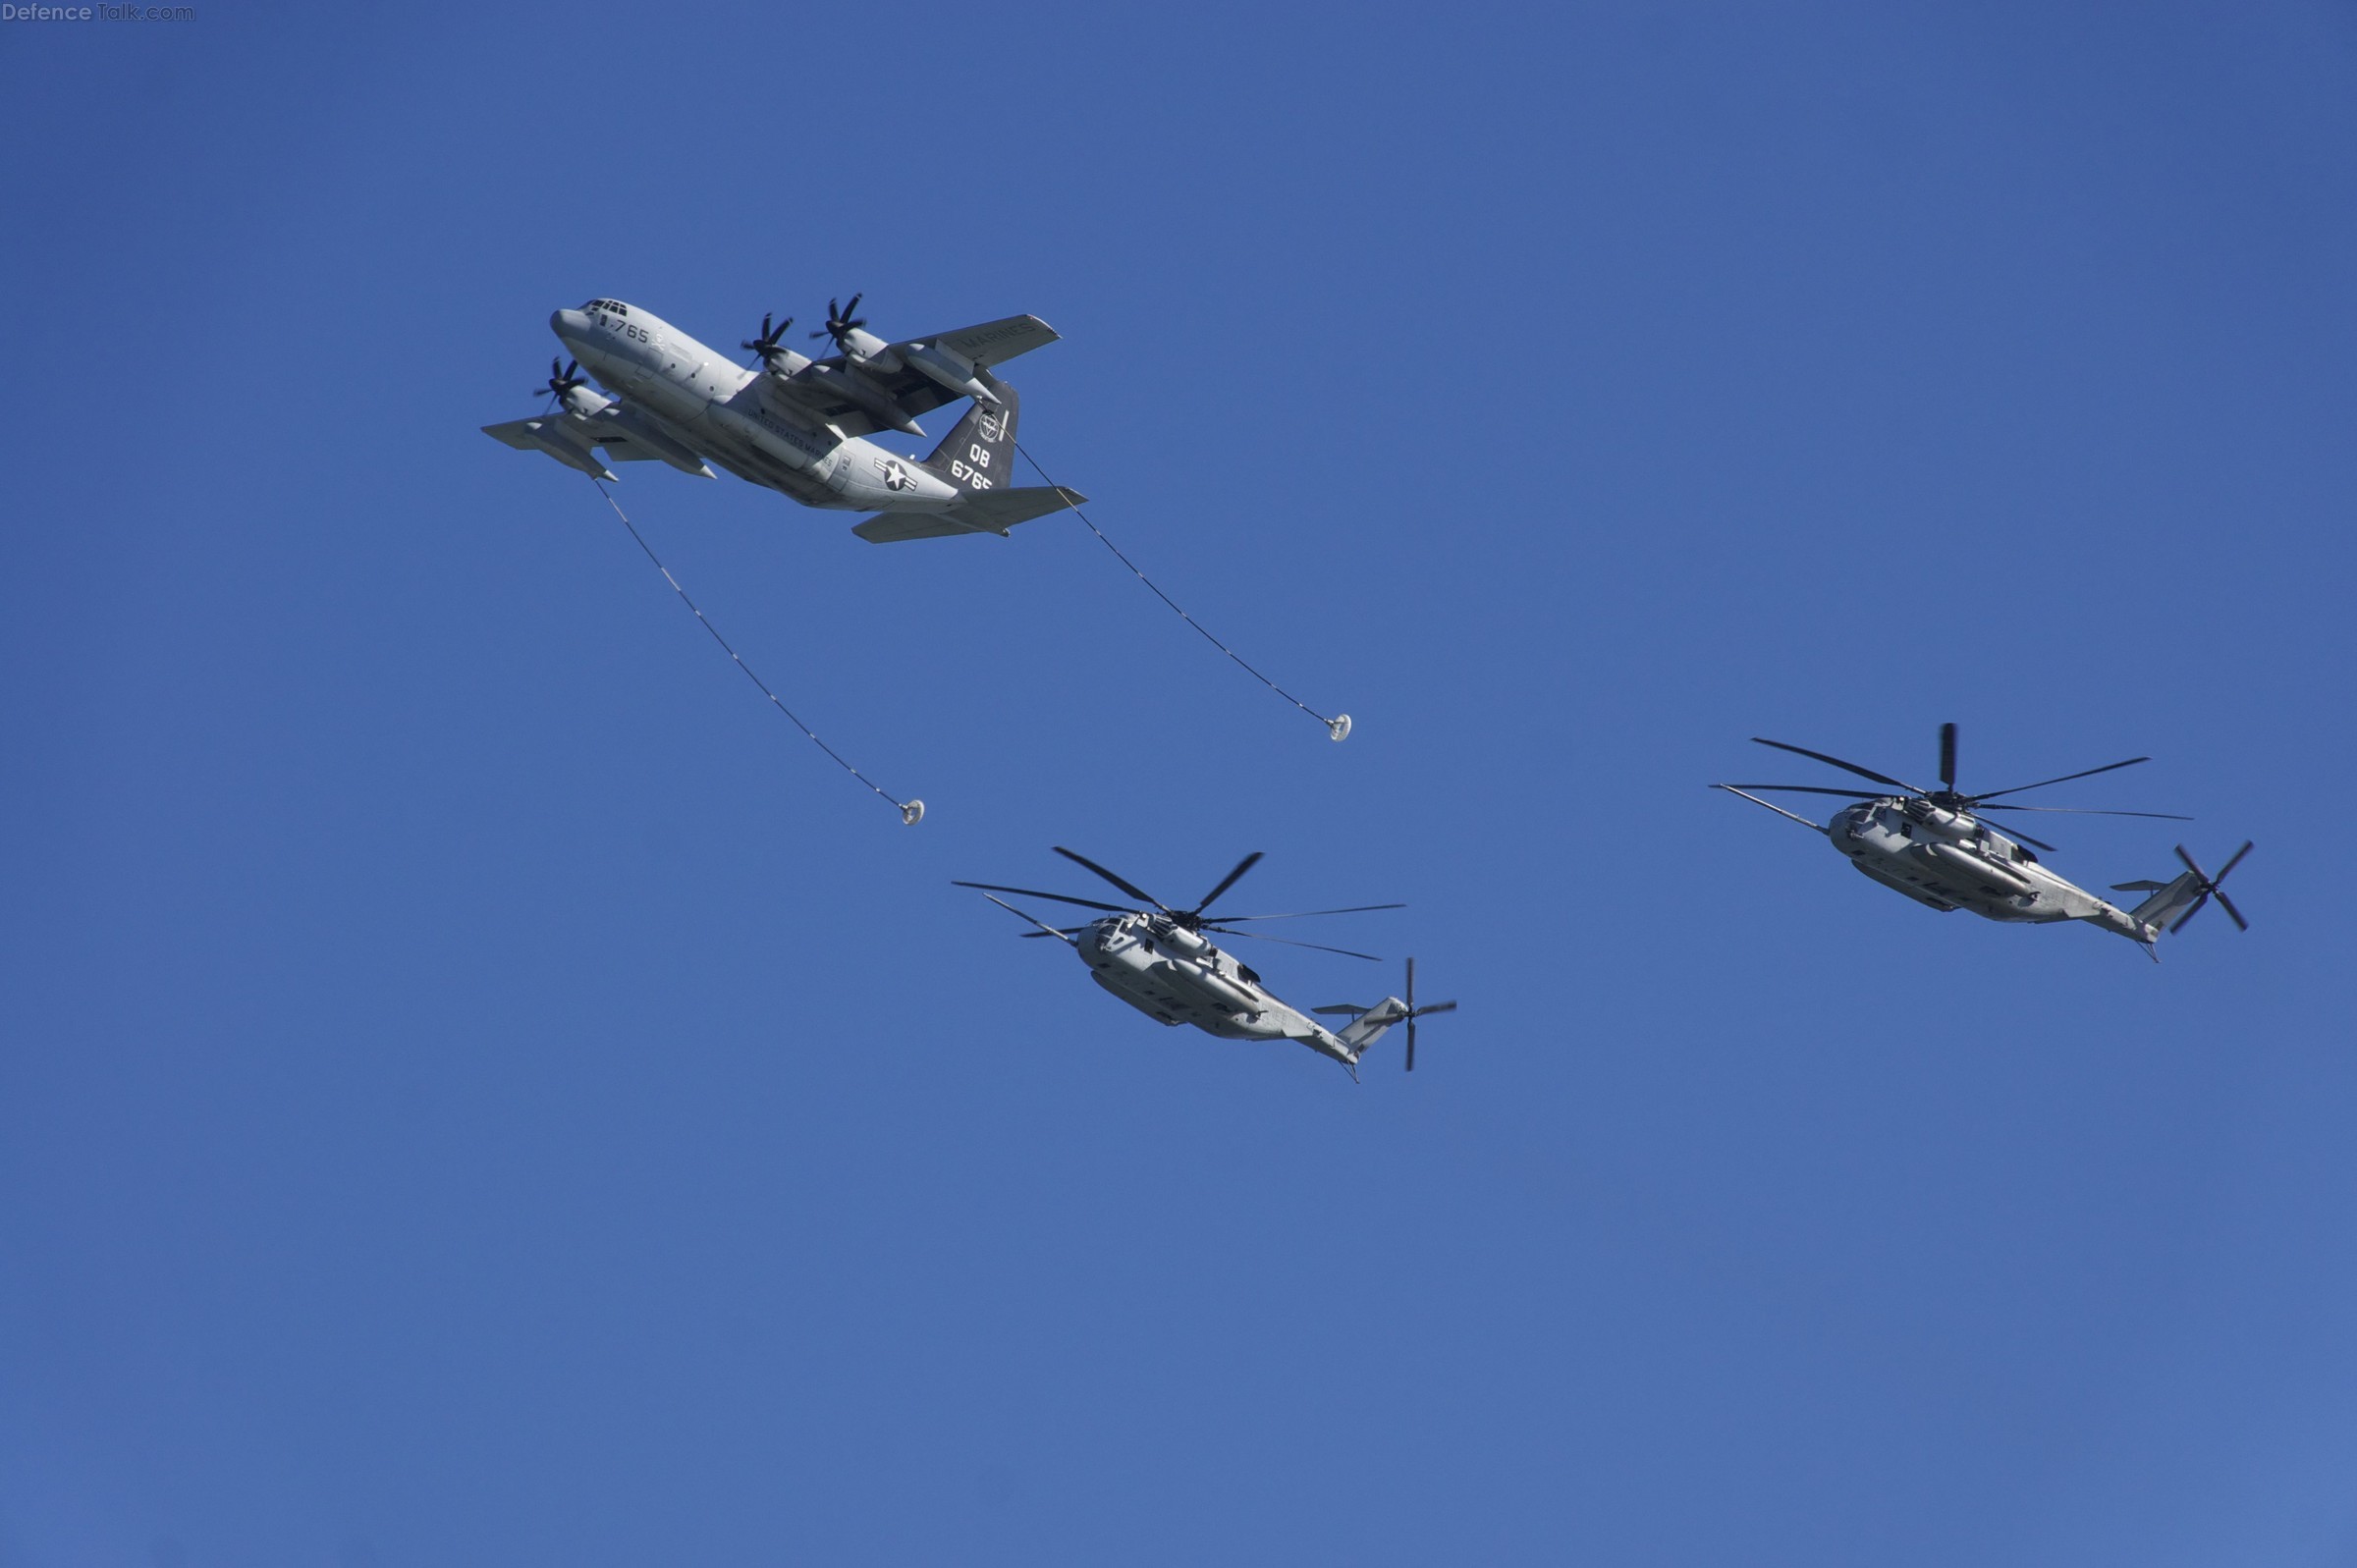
(567, 323)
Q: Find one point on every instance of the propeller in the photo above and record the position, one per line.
(841, 323)
(2210, 889)
(767, 348)
(562, 380)
(1414, 1012)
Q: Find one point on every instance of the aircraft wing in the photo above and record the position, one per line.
(818, 392)
(995, 342)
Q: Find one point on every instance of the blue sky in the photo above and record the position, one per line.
(477, 1089)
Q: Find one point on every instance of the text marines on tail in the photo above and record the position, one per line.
(795, 424)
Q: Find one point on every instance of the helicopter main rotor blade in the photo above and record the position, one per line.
(1947, 758)
(1229, 881)
(1809, 789)
(1290, 942)
(2065, 779)
(2085, 811)
(1045, 929)
(1129, 888)
(1304, 914)
(1034, 893)
(1846, 766)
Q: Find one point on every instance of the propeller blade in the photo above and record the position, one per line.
(2232, 862)
(2191, 910)
(1846, 766)
(1809, 790)
(2065, 779)
(1430, 1008)
(1289, 942)
(2227, 904)
(1948, 757)
(1304, 914)
(1229, 881)
(1034, 893)
(2084, 811)
(2192, 867)
(1132, 889)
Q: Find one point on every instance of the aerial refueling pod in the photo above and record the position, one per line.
(952, 370)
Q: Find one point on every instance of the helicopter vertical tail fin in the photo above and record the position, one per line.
(2171, 898)
(1372, 1024)
(2179, 900)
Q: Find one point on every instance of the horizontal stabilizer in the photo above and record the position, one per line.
(895, 526)
(983, 512)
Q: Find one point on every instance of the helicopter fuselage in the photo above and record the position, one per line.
(1952, 860)
(1176, 976)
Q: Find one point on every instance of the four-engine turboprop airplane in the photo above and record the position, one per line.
(1159, 962)
(1932, 847)
(795, 424)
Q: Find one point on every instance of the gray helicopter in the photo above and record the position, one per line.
(1159, 960)
(1932, 847)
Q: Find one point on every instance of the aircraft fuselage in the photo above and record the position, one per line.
(712, 407)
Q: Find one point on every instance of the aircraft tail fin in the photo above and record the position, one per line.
(978, 454)
(2175, 901)
(1373, 1023)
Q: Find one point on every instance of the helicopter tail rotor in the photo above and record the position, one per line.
(2206, 888)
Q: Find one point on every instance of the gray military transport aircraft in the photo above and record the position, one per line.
(1932, 847)
(795, 424)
